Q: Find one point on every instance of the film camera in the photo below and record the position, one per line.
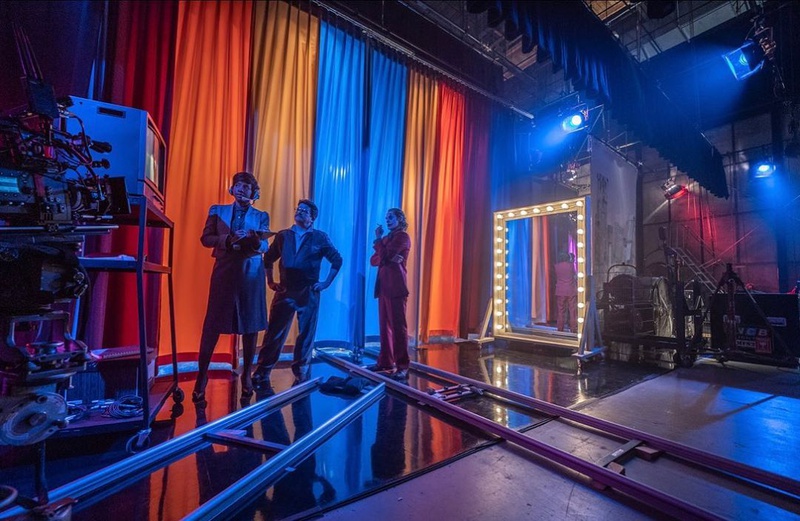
(51, 197)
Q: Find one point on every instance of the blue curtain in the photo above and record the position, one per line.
(338, 178)
(388, 82)
(520, 260)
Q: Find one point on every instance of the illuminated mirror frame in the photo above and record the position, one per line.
(501, 327)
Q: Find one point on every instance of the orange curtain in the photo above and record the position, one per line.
(283, 107)
(212, 64)
(445, 222)
(418, 162)
(283, 96)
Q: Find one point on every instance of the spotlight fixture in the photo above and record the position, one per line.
(754, 52)
(575, 119)
(763, 169)
(672, 190)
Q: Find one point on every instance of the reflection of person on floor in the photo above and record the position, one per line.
(300, 249)
(388, 452)
(294, 492)
(391, 290)
(237, 298)
(215, 467)
(566, 291)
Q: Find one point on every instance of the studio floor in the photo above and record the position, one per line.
(400, 460)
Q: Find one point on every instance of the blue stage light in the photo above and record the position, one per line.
(764, 169)
(746, 60)
(574, 121)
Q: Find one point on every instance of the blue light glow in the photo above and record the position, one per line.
(745, 61)
(573, 122)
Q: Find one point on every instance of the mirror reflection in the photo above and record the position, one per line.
(542, 274)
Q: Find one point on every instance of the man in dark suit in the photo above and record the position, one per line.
(300, 249)
(391, 290)
(237, 299)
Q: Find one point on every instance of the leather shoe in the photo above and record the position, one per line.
(375, 368)
(260, 379)
(401, 374)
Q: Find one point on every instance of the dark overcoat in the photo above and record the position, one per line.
(237, 298)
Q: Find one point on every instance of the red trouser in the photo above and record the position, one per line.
(567, 304)
(394, 332)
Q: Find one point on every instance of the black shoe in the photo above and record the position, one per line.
(375, 368)
(401, 374)
(260, 379)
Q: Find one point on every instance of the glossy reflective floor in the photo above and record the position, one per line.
(395, 440)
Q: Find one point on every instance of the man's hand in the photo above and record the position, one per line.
(397, 258)
(238, 235)
(319, 286)
(274, 286)
(379, 232)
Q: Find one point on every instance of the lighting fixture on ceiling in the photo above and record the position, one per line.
(754, 52)
(575, 119)
(673, 190)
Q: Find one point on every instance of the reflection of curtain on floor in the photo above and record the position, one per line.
(420, 139)
(387, 107)
(207, 141)
(521, 266)
(443, 248)
(339, 185)
(540, 270)
(283, 97)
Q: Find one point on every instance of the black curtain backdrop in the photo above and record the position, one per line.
(595, 62)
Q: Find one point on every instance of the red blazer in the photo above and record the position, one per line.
(392, 276)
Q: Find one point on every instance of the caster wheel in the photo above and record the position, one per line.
(684, 359)
(137, 444)
(177, 395)
(177, 410)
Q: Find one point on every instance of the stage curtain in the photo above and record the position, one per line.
(477, 271)
(443, 253)
(207, 144)
(418, 160)
(388, 80)
(522, 260)
(540, 270)
(137, 72)
(283, 97)
(338, 177)
(282, 107)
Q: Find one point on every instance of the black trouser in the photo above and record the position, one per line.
(304, 302)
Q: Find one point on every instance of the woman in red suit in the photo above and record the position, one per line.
(391, 290)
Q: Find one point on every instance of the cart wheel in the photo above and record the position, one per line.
(684, 359)
(137, 444)
(177, 395)
(177, 410)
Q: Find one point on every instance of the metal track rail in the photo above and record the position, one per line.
(644, 493)
(691, 454)
(111, 479)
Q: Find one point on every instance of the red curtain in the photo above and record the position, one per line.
(476, 276)
(445, 228)
(139, 63)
